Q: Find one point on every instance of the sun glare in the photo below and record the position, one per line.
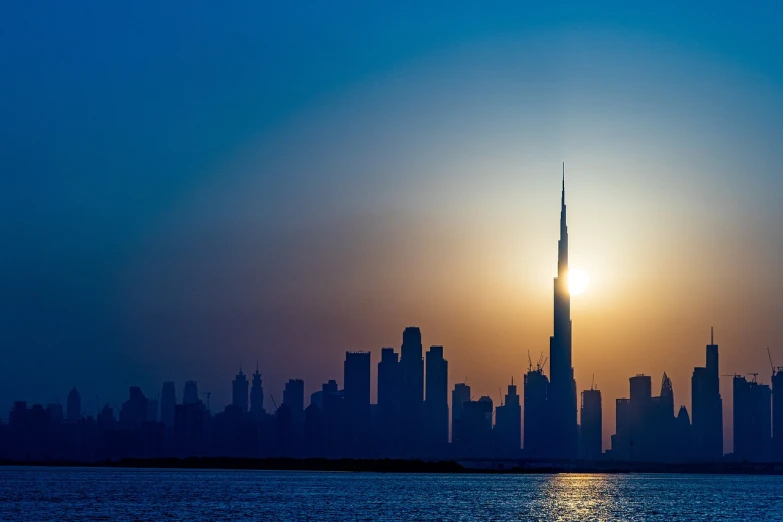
(578, 281)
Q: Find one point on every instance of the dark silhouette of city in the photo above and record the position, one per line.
(411, 417)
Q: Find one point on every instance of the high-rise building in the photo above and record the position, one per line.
(459, 396)
(411, 390)
(293, 396)
(536, 441)
(476, 426)
(752, 421)
(74, 405)
(591, 424)
(707, 408)
(356, 376)
(190, 393)
(257, 395)
(388, 403)
(239, 390)
(508, 424)
(777, 413)
(168, 404)
(436, 403)
(134, 411)
(622, 445)
(561, 397)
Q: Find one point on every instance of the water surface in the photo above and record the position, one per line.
(109, 494)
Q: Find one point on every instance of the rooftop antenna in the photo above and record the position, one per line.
(592, 383)
(712, 335)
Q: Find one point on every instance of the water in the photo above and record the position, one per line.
(124, 494)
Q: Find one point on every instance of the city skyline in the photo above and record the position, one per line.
(276, 184)
(412, 401)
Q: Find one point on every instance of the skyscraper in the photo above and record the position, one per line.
(388, 402)
(74, 405)
(707, 407)
(168, 404)
(536, 413)
(436, 403)
(190, 393)
(356, 376)
(561, 398)
(777, 413)
(459, 397)
(752, 421)
(591, 429)
(239, 391)
(412, 390)
(508, 424)
(257, 395)
(293, 397)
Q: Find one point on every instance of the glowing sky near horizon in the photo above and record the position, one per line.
(187, 188)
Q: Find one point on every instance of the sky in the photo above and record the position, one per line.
(189, 187)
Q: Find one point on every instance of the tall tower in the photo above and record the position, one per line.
(74, 405)
(257, 394)
(411, 390)
(562, 388)
(436, 402)
(239, 389)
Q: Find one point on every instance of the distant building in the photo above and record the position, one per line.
(777, 413)
(168, 404)
(257, 394)
(459, 396)
(591, 416)
(476, 437)
(356, 376)
(388, 403)
(134, 411)
(752, 420)
(293, 397)
(508, 424)
(190, 393)
(411, 391)
(707, 408)
(74, 405)
(239, 390)
(436, 405)
(536, 440)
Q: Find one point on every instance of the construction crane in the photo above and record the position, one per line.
(273, 400)
(529, 362)
(775, 370)
(753, 374)
(208, 395)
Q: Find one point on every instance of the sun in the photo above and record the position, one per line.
(578, 281)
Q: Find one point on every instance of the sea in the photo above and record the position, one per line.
(36, 493)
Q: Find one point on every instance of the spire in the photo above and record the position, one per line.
(563, 193)
(712, 335)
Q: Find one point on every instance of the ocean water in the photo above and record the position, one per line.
(129, 494)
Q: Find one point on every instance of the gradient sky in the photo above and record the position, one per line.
(188, 186)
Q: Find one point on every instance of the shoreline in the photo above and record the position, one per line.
(508, 467)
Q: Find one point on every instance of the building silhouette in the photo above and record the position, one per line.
(777, 413)
(752, 420)
(536, 413)
(411, 391)
(190, 393)
(561, 394)
(356, 376)
(257, 395)
(459, 396)
(707, 407)
(476, 429)
(74, 405)
(591, 428)
(239, 391)
(508, 424)
(388, 430)
(168, 404)
(436, 405)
